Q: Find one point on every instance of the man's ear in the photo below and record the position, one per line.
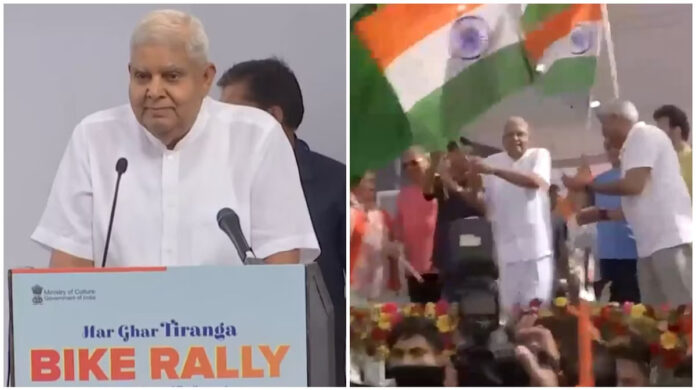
(277, 113)
(209, 76)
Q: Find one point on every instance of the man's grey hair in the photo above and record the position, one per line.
(618, 108)
(418, 150)
(172, 27)
(516, 121)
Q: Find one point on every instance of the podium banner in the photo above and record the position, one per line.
(176, 326)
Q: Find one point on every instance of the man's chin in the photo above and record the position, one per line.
(158, 129)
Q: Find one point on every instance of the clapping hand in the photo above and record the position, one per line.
(577, 183)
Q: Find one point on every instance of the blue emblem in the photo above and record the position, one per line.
(582, 39)
(469, 38)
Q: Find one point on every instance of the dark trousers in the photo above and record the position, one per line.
(428, 291)
(623, 275)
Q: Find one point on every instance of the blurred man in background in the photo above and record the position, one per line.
(414, 226)
(271, 86)
(674, 122)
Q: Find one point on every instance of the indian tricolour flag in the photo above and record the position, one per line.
(419, 73)
(563, 42)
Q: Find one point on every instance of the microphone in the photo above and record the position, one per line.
(121, 166)
(228, 221)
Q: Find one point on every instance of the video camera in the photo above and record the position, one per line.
(486, 357)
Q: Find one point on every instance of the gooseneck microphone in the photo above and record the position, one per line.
(121, 166)
(228, 221)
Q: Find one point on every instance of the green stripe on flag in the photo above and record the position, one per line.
(537, 13)
(379, 129)
(568, 75)
(440, 116)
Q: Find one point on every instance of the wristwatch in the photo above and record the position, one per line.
(603, 214)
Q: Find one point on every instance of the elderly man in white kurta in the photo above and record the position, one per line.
(516, 185)
(654, 201)
(188, 157)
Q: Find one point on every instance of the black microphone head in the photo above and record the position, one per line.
(226, 213)
(121, 165)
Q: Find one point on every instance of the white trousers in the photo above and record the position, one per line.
(523, 281)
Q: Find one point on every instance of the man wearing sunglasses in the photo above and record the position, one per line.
(415, 226)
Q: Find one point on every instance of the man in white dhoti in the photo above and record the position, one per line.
(516, 186)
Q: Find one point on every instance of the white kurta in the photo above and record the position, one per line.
(521, 223)
(520, 217)
(660, 216)
(233, 156)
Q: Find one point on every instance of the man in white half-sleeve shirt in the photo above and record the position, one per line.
(516, 186)
(654, 201)
(188, 157)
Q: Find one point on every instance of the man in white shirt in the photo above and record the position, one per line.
(654, 201)
(188, 157)
(517, 204)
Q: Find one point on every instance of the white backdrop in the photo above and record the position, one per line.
(65, 62)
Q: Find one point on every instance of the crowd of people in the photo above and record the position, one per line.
(624, 235)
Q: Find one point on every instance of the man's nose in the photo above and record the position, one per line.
(155, 88)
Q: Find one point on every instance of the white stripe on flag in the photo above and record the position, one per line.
(426, 66)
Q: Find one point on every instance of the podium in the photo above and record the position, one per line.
(266, 325)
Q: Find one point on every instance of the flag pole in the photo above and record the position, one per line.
(610, 51)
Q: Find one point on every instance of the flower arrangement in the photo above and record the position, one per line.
(666, 330)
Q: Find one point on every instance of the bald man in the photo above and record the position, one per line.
(516, 184)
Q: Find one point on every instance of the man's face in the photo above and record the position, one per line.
(238, 93)
(663, 124)
(365, 191)
(615, 130)
(166, 89)
(629, 374)
(414, 351)
(459, 165)
(515, 139)
(613, 153)
(414, 165)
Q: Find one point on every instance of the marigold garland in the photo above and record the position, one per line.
(666, 330)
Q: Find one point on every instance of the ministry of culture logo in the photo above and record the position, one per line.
(469, 38)
(37, 290)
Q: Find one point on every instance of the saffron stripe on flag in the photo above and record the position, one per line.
(534, 14)
(428, 64)
(393, 28)
(559, 26)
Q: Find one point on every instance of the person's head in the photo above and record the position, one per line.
(414, 162)
(632, 362)
(554, 191)
(363, 188)
(617, 118)
(170, 74)
(516, 137)
(415, 341)
(603, 367)
(269, 85)
(673, 121)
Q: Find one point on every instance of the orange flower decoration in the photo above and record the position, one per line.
(668, 340)
(430, 310)
(444, 323)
